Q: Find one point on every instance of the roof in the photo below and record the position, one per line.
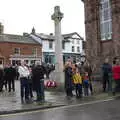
(37, 39)
(43, 36)
(70, 35)
(17, 39)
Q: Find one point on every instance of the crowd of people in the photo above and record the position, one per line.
(111, 76)
(8, 74)
(78, 76)
(30, 78)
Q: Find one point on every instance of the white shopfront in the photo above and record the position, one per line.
(30, 59)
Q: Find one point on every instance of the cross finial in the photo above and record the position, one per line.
(57, 16)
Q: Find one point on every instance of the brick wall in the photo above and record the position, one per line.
(92, 32)
(7, 49)
(116, 25)
(97, 50)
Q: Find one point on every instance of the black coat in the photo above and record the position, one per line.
(10, 73)
(106, 68)
(68, 77)
(37, 74)
(1, 74)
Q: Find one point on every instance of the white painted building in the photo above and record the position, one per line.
(72, 45)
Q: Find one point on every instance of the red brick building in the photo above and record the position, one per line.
(102, 25)
(14, 48)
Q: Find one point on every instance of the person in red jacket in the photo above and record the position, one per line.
(116, 76)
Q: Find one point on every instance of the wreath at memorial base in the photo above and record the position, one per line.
(50, 84)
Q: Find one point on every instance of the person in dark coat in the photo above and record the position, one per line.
(68, 79)
(30, 82)
(10, 76)
(1, 78)
(48, 70)
(106, 71)
(38, 75)
(17, 73)
(5, 76)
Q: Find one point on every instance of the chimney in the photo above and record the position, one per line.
(1, 28)
(33, 31)
(25, 34)
(51, 34)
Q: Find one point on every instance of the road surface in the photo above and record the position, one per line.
(100, 110)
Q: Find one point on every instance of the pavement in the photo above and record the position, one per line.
(100, 110)
(11, 102)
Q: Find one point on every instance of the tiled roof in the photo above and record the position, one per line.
(70, 35)
(52, 37)
(17, 39)
(45, 36)
(38, 39)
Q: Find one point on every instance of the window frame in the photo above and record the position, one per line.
(34, 51)
(50, 44)
(19, 50)
(73, 48)
(63, 45)
(105, 20)
(78, 49)
(78, 42)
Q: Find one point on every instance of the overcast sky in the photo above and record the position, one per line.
(20, 16)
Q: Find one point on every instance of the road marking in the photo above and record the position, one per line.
(58, 108)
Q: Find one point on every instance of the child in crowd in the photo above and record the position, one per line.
(77, 80)
(86, 84)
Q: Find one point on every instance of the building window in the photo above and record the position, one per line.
(34, 51)
(17, 51)
(78, 42)
(78, 49)
(50, 45)
(105, 20)
(72, 41)
(63, 45)
(73, 49)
